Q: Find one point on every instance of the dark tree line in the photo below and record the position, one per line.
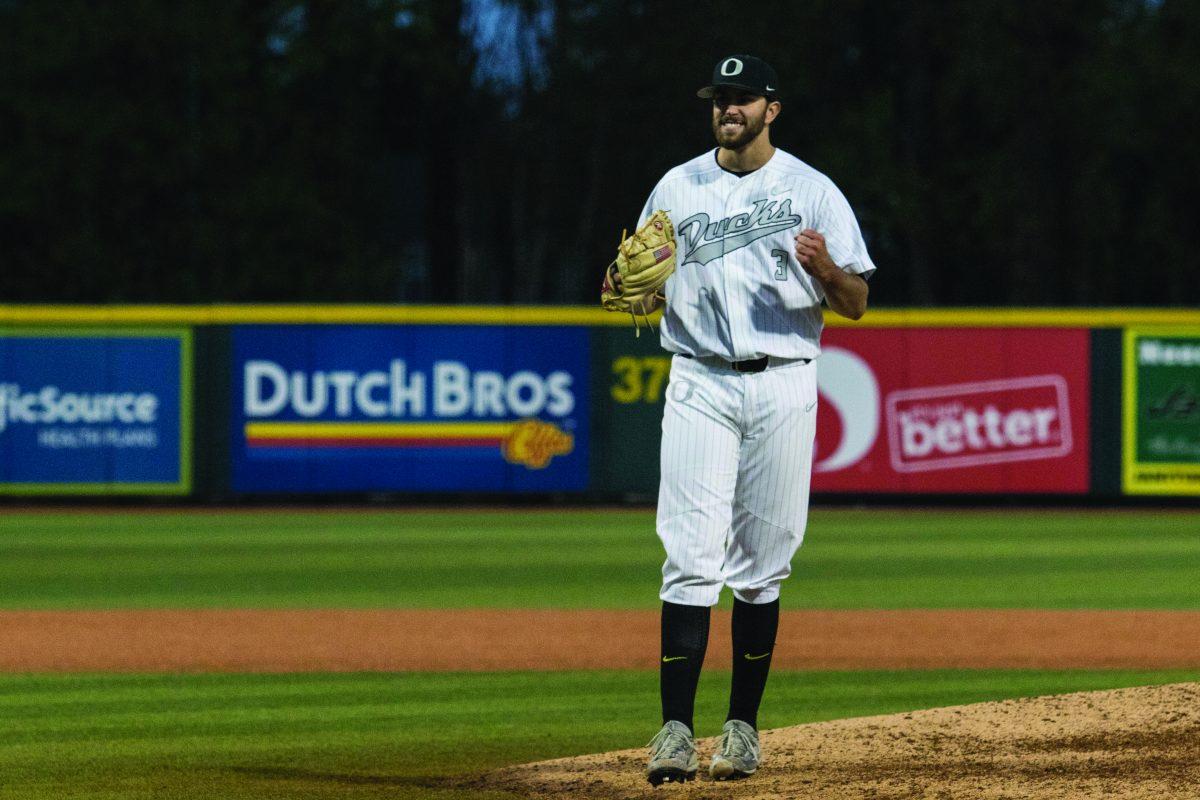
(996, 151)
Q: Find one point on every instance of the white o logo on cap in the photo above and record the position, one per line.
(731, 66)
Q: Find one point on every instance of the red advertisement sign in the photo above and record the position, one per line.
(982, 410)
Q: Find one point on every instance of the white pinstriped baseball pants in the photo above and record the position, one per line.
(737, 452)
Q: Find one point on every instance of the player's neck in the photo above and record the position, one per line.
(748, 157)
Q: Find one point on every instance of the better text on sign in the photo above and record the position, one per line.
(976, 410)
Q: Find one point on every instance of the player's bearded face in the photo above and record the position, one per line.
(737, 123)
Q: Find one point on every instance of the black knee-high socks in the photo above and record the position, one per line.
(684, 640)
(754, 629)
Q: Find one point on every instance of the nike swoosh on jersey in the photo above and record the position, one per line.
(757, 658)
(669, 659)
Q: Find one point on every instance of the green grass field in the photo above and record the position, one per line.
(238, 737)
(400, 736)
(585, 559)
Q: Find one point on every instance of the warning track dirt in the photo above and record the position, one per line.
(480, 640)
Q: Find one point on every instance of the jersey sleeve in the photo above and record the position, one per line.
(650, 207)
(836, 222)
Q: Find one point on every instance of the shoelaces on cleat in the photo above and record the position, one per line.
(672, 742)
(744, 742)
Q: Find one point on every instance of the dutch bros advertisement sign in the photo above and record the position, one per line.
(421, 408)
(95, 412)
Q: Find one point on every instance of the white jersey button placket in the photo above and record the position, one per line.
(733, 310)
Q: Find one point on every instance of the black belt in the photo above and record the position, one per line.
(753, 365)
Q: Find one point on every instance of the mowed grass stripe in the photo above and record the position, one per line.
(238, 737)
(882, 558)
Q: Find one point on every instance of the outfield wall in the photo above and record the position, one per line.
(222, 402)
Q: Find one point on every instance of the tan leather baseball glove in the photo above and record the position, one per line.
(644, 262)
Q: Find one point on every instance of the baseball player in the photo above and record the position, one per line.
(761, 239)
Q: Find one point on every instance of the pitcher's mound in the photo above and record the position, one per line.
(1127, 743)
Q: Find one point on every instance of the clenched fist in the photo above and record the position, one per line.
(813, 255)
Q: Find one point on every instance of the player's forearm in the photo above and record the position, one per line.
(845, 293)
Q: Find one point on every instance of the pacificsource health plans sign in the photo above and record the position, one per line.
(95, 412)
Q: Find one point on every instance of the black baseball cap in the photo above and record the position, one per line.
(748, 73)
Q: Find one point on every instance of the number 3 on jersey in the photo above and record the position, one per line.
(781, 262)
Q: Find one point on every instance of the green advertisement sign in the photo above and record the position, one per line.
(629, 383)
(1161, 453)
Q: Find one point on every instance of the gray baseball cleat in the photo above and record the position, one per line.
(737, 753)
(673, 757)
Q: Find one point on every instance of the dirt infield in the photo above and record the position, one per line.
(477, 640)
(1129, 743)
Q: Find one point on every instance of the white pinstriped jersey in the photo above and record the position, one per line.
(738, 291)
